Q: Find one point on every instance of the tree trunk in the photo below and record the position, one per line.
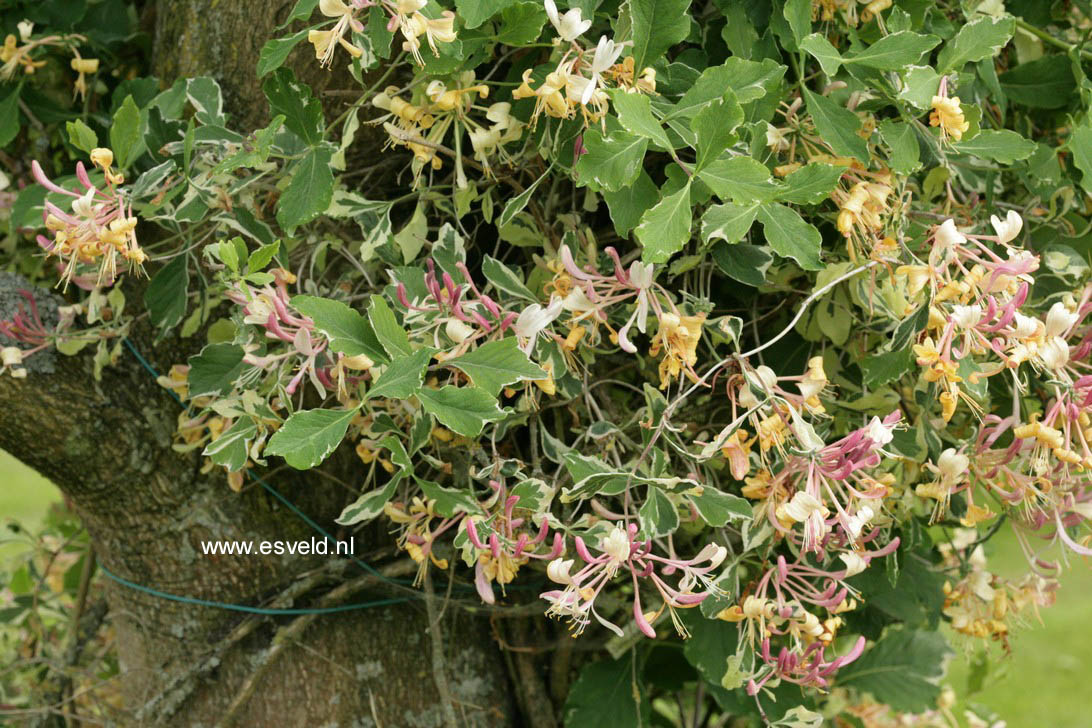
(107, 445)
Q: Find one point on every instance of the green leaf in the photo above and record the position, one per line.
(611, 162)
(729, 222)
(895, 51)
(811, 184)
(275, 52)
(215, 369)
(506, 279)
(628, 204)
(9, 118)
(714, 126)
(403, 377)
(881, 369)
(837, 125)
(798, 15)
(302, 111)
(817, 45)
(658, 515)
(125, 140)
(903, 142)
(80, 135)
(449, 501)
(657, 25)
(1045, 83)
(262, 257)
(635, 113)
(603, 695)
(464, 410)
(310, 191)
(166, 294)
(1000, 145)
(749, 80)
(920, 85)
(1080, 146)
(521, 23)
(718, 509)
(301, 11)
(349, 332)
(902, 669)
(387, 330)
(475, 12)
(497, 363)
(744, 263)
(309, 436)
(790, 236)
(370, 504)
(517, 203)
(665, 228)
(230, 449)
(982, 37)
(740, 179)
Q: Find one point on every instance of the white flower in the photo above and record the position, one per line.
(84, 206)
(966, 317)
(947, 236)
(980, 585)
(854, 563)
(406, 7)
(879, 433)
(776, 139)
(577, 301)
(1024, 326)
(857, 522)
(11, 356)
(952, 465)
(558, 570)
(570, 25)
(1059, 319)
(1009, 228)
(458, 331)
(808, 440)
(767, 377)
(1055, 353)
(607, 53)
(616, 544)
(534, 319)
(25, 29)
(641, 274)
(803, 506)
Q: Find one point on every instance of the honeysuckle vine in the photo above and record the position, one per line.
(560, 353)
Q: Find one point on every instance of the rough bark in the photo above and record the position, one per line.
(107, 445)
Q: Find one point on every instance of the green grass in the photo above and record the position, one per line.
(1041, 684)
(25, 497)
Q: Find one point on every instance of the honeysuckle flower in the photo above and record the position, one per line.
(1054, 353)
(948, 115)
(606, 54)
(966, 317)
(804, 507)
(947, 237)
(777, 139)
(99, 229)
(677, 338)
(1059, 319)
(854, 563)
(569, 26)
(533, 320)
(11, 360)
(414, 24)
(1009, 228)
(82, 66)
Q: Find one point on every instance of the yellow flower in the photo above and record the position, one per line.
(948, 115)
(975, 515)
(678, 338)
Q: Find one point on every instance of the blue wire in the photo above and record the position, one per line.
(251, 610)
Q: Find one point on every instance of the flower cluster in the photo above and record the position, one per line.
(97, 230)
(405, 15)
